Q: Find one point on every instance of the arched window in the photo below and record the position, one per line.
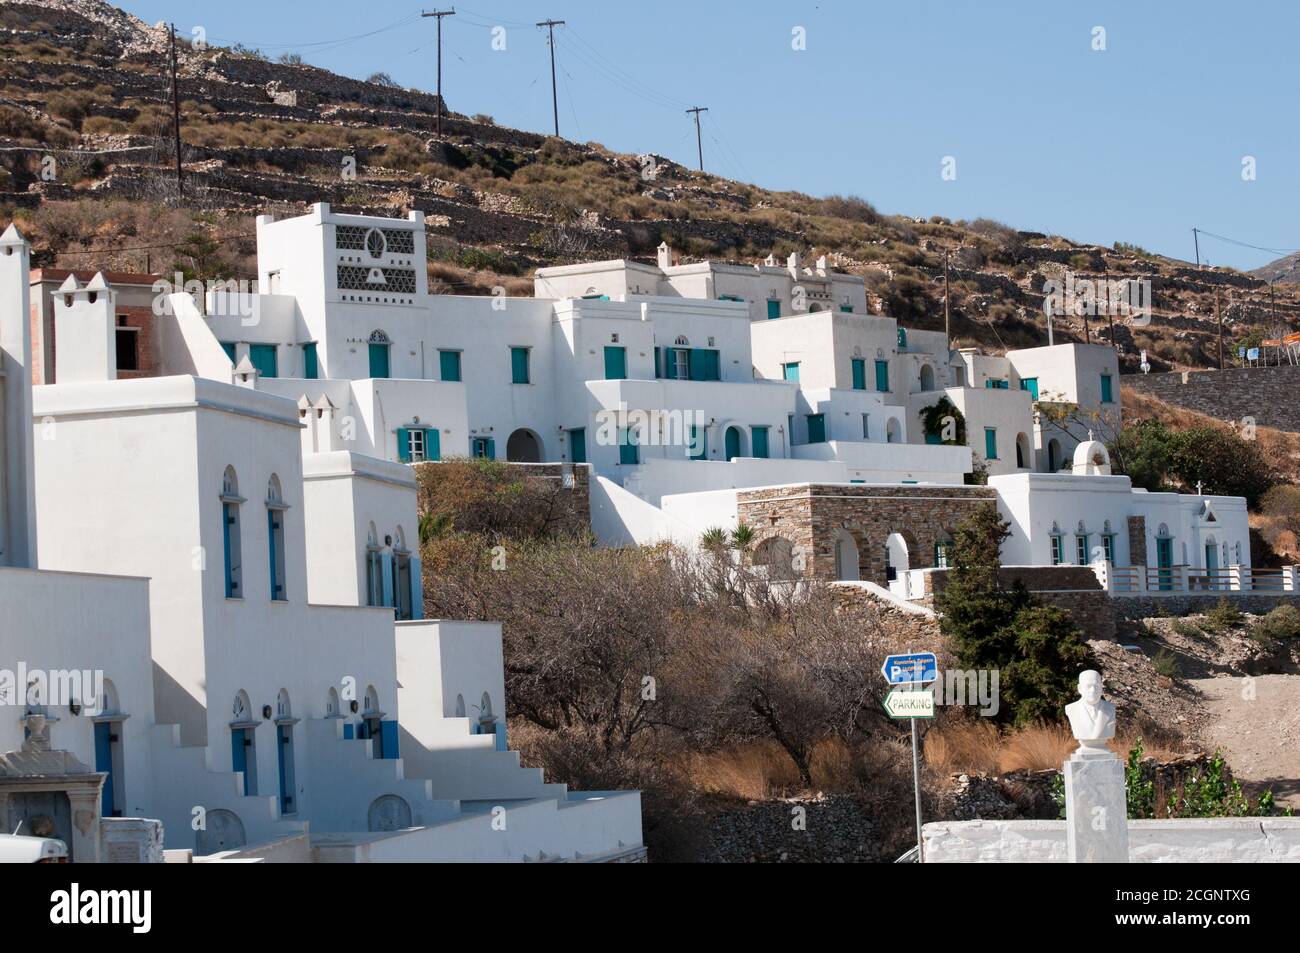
(243, 742)
(487, 723)
(927, 377)
(284, 722)
(1081, 536)
(106, 711)
(374, 569)
(230, 535)
(332, 709)
(275, 508)
(1058, 544)
(402, 581)
(460, 705)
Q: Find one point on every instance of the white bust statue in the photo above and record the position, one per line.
(1092, 718)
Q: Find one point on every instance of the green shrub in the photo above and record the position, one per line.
(1165, 663)
(1223, 617)
(1282, 623)
(1187, 629)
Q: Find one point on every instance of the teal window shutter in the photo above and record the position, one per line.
(713, 364)
(1106, 396)
(432, 445)
(730, 298)
(578, 445)
(491, 448)
(1030, 384)
(449, 365)
(705, 365)
(846, 309)
(698, 449)
(659, 366)
(519, 365)
(262, 357)
(758, 441)
(816, 428)
(615, 363)
(882, 375)
(990, 443)
(773, 308)
(790, 371)
(229, 348)
(310, 367)
(403, 445)
(859, 374)
(379, 360)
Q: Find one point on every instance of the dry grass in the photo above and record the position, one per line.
(761, 770)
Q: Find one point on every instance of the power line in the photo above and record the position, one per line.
(1233, 241)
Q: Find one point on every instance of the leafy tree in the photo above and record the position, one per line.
(944, 421)
(1037, 648)
(1223, 461)
(1144, 452)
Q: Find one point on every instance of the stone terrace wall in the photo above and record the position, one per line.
(1075, 589)
(1268, 394)
(810, 516)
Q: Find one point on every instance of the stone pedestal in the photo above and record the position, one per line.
(1096, 811)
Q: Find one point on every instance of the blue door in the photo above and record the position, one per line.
(104, 762)
(310, 366)
(615, 363)
(816, 428)
(578, 445)
(758, 437)
(239, 744)
(859, 374)
(262, 357)
(284, 746)
(1211, 564)
(733, 442)
(882, 375)
(379, 360)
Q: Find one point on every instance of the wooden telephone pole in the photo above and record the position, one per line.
(176, 117)
(699, 142)
(1218, 318)
(947, 295)
(439, 14)
(555, 102)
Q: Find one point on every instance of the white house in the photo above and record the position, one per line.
(248, 600)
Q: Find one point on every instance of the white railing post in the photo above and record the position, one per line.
(1105, 577)
(1246, 581)
(1140, 576)
(1289, 578)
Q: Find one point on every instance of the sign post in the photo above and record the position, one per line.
(913, 670)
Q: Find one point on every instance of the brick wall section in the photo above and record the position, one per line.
(809, 517)
(1137, 540)
(1265, 393)
(142, 319)
(1073, 588)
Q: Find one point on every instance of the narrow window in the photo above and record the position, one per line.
(519, 370)
(449, 365)
(230, 537)
(275, 508)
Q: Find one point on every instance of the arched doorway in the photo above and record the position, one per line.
(892, 431)
(734, 441)
(1053, 455)
(927, 377)
(524, 446)
(846, 557)
(1022, 451)
(897, 562)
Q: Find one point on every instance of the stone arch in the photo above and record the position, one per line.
(524, 446)
(774, 557)
(847, 559)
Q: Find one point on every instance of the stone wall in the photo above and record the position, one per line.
(1075, 589)
(1265, 393)
(1146, 607)
(810, 517)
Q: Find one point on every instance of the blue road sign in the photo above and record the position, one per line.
(914, 668)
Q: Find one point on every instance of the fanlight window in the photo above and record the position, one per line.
(378, 337)
(375, 244)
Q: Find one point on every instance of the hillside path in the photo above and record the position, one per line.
(1259, 737)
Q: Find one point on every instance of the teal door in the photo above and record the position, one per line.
(816, 428)
(310, 366)
(773, 309)
(240, 742)
(758, 437)
(733, 443)
(104, 762)
(882, 375)
(1211, 565)
(706, 364)
(449, 365)
(263, 358)
(615, 363)
(859, 374)
(578, 445)
(1165, 562)
(790, 371)
(1107, 396)
(379, 360)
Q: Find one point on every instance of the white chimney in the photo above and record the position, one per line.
(85, 336)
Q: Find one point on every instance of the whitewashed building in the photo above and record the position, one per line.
(249, 599)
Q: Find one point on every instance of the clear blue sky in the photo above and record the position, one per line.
(1137, 143)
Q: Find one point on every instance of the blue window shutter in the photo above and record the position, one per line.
(773, 309)
(491, 448)
(990, 443)
(902, 339)
(386, 576)
(758, 441)
(432, 445)
(713, 365)
(882, 375)
(262, 357)
(310, 367)
(519, 365)
(615, 363)
(348, 732)
(1106, 396)
(417, 589)
(859, 374)
(388, 739)
(846, 309)
(659, 371)
(790, 371)
(403, 445)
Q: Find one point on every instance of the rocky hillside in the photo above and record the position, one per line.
(87, 162)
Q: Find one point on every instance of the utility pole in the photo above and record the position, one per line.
(555, 102)
(1197, 241)
(699, 142)
(1110, 306)
(176, 117)
(947, 320)
(439, 14)
(1218, 317)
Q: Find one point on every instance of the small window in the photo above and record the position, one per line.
(519, 369)
(310, 365)
(990, 443)
(275, 508)
(859, 373)
(615, 363)
(128, 352)
(230, 535)
(1058, 549)
(790, 371)
(1108, 547)
(773, 308)
(1107, 397)
(1081, 549)
(866, 426)
(449, 365)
